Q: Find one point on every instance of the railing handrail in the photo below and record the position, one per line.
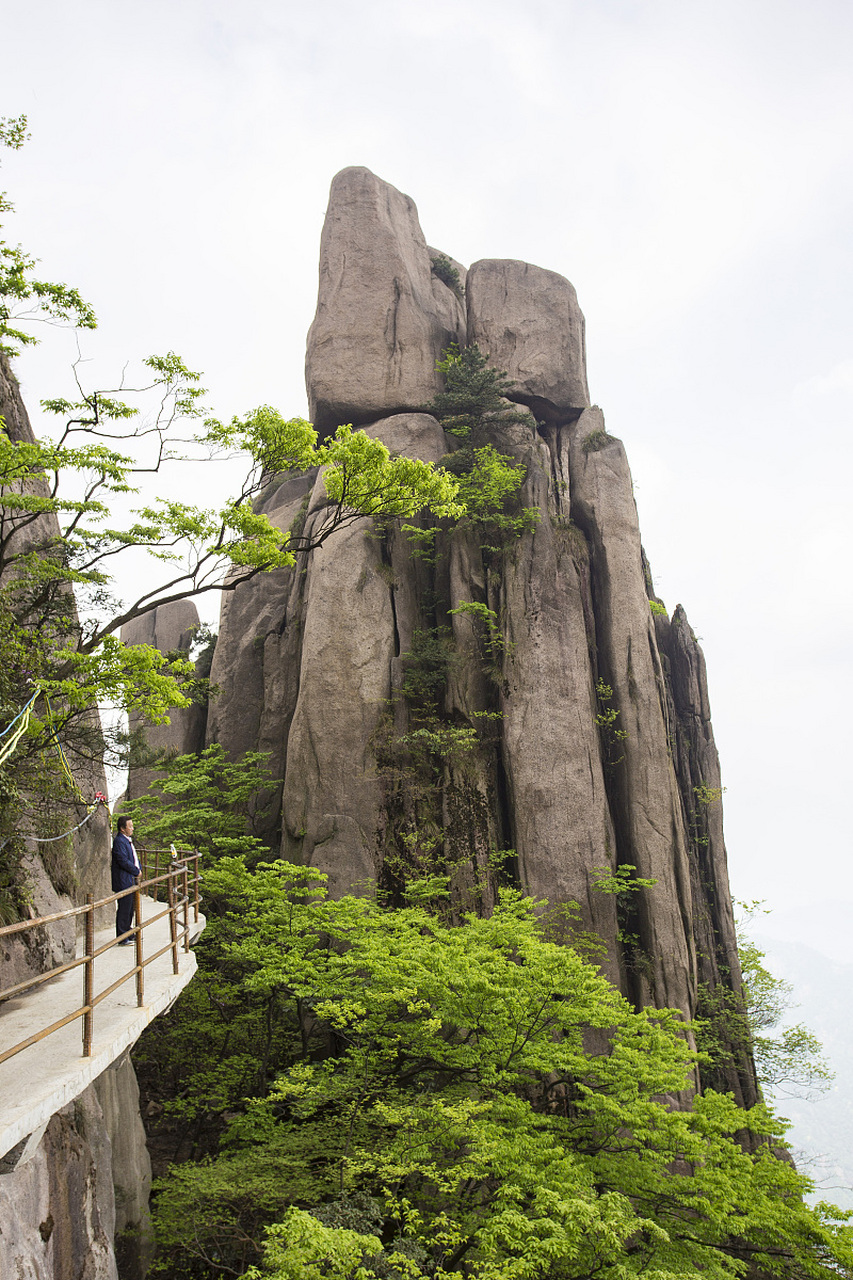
(177, 882)
(20, 925)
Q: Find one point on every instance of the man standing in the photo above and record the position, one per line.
(125, 872)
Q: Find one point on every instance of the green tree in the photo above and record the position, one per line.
(483, 1105)
(789, 1058)
(473, 408)
(25, 300)
(72, 509)
(205, 802)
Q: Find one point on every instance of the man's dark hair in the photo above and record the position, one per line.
(122, 822)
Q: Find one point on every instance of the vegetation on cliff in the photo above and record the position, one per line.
(469, 1101)
(70, 516)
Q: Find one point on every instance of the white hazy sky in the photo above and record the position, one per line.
(686, 163)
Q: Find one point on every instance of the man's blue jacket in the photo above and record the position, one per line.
(123, 867)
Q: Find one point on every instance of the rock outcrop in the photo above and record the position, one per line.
(77, 1186)
(68, 1187)
(529, 322)
(375, 268)
(172, 629)
(52, 884)
(498, 708)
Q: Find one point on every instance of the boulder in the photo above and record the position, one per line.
(383, 318)
(527, 320)
(412, 435)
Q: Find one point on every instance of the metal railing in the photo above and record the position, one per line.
(174, 883)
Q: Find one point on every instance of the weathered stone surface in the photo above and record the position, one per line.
(529, 322)
(338, 666)
(170, 628)
(562, 826)
(91, 842)
(252, 709)
(375, 269)
(413, 435)
(118, 1094)
(332, 797)
(260, 660)
(36, 950)
(57, 1206)
(646, 803)
(697, 769)
(167, 628)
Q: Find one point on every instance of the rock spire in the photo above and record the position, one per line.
(571, 734)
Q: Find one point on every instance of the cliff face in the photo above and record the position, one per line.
(67, 1190)
(73, 1188)
(567, 737)
(48, 883)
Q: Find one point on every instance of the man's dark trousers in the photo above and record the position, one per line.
(124, 914)
(124, 873)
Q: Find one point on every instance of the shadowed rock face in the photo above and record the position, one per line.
(69, 1191)
(563, 741)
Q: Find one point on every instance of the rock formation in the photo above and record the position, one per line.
(67, 1190)
(172, 629)
(565, 738)
(48, 882)
(73, 1188)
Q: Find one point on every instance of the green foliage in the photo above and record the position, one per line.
(474, 400)
(205, 802)
(596, 440)
(492, 640)
(607, 718)
(621, 881)
(61, 541)
(473, 408)
(59, 618)
(426, 664)
(444, 269)
(658, 609)
(24, 298)
(788, 1057)
(489, 484)
(485, 1106)
(698, 817)
(708, 795)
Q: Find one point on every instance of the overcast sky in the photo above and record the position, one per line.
(687, 165)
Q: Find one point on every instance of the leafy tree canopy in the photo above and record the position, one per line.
(73, 506)
(24, 298)
(484, 1105)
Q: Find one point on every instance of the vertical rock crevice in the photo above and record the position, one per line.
(587, 725)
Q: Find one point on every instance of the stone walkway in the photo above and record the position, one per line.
(51, 1073)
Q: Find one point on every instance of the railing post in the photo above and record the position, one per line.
(185, 890)
(137, 911)
(195, 877)
(88, 975)
(156, 874)
(173, 924)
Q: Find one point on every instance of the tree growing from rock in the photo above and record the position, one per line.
(471, 1101)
